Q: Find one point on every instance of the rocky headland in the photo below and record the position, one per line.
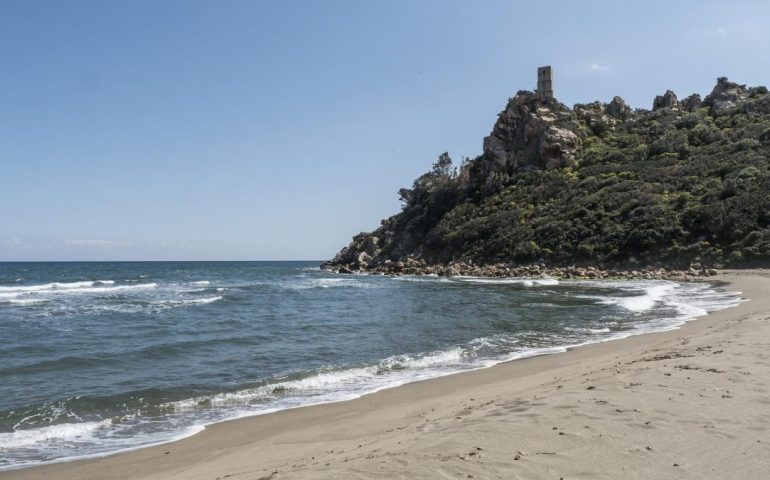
(599, 190)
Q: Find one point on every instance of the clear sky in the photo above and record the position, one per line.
(226, 130)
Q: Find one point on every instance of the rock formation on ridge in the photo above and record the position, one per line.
(599, 184)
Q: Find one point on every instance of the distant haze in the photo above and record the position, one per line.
(277, 130)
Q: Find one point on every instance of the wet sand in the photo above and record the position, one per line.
(690, 403)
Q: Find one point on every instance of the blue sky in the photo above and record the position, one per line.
(226, 130)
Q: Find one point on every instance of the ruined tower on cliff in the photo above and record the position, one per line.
(544, 82)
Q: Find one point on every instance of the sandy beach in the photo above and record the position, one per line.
(690, 403)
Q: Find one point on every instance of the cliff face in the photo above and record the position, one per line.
(596, 184)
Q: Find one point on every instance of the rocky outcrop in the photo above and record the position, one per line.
(617, 108)
(557, 147)
(725, 95)
(667, 100)
(596, 115)
(361, 251)
(413, 266)
(532, 132)
(691, 103)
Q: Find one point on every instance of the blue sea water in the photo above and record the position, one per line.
(101, 357)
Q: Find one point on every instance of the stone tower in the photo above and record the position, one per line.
(544, 82)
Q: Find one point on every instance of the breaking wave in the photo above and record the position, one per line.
(527, 282)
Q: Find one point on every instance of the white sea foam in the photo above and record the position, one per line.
(58, 292)
(117, 288)
(201, 282)
(198, 290)
(543, 305)
(189, 301)
(24, 301)
(646, 295)
(351, 281)
(201, 301)
(450, 356)
(493, 342)
(338, 384)
(422, 278)
(46, 286)
(117, 444)
(527, 282)
(330, 383)
(57, 288)
(652, 295)
(72, 432)
(588, 330)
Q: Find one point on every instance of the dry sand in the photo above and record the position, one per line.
(691, 403)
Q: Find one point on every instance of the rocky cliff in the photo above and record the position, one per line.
(597, 184)
(531, 133)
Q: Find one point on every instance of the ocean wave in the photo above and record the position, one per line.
(117, 288)
(305, 387)
(308, 282)
(193, 301)
(203, 289)
(444, 357)
(345, 282)
(334, 384)
(422, 278)
(662, 305)
(651, 296)
(46, 286)
(527, 282)
(643, 295)
(588, 330)
(543, 305)
(73, 432)
(23, 301)
(56, 288)
(201, 282)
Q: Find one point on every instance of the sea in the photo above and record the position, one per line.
(102, 357)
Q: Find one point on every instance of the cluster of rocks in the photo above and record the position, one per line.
(667, 100)
(600, 117)
(412, 266)
(725, 95)
(617, 108)
(670, 100)
(362, 250)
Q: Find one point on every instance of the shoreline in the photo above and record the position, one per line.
(675, 323)
(412, 266)
(228, 446)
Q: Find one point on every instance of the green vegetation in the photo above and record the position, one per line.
(666, 187)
